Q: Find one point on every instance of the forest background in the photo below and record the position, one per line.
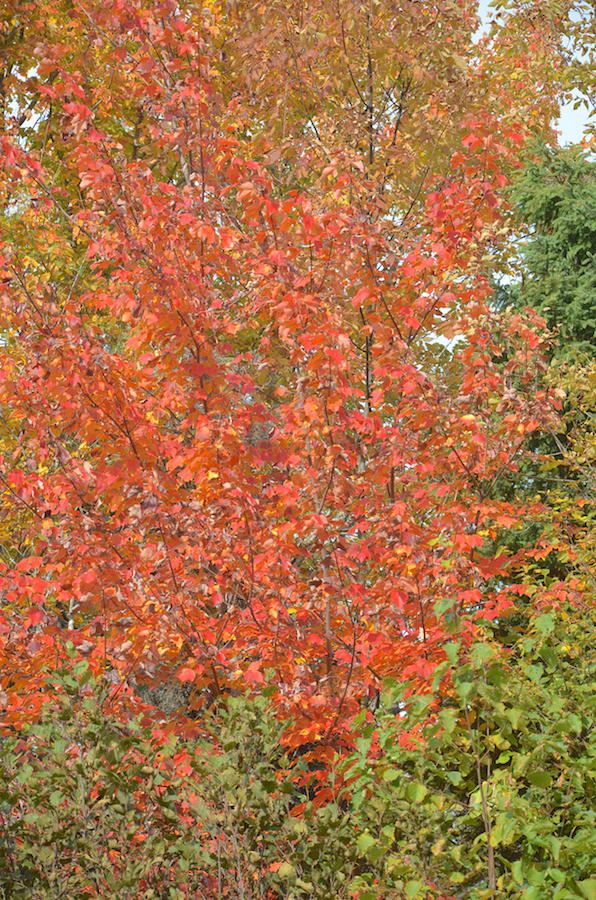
(297, 439)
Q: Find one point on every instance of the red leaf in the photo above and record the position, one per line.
(186, 674)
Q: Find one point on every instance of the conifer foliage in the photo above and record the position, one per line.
(555, 198)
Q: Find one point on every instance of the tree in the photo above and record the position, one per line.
(553, 202)
(555, 196)
(233, 235)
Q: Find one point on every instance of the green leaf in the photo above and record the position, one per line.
(286, 870)
(550, 657)
(24, 773)
(443, 605)
(539, 778)
(575, 723)
(503, 830)
(375, 853)
(80, 668)
(455, 778)
(417, 792)
(514, 715)
(481, 652)
(448, 719)
(534, 672)
(588, 888)
(413, 888)
(452, 652)
(464, 689)
(56, 798)
(496, 675)
(365, 841)
(388, 831)
(545, 624)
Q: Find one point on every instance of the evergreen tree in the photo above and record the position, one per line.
(556, 197)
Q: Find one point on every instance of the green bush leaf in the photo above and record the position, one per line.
(539, 778)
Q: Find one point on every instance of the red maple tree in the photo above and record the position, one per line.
(256, 406)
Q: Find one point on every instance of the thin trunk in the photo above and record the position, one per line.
(370, 104)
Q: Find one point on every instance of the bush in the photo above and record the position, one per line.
(93, 807)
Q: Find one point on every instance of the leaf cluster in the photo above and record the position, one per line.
(501, 771)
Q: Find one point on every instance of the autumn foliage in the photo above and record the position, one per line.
(238, 240)
(256, 409)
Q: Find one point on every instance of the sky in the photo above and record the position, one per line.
(571, 124)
